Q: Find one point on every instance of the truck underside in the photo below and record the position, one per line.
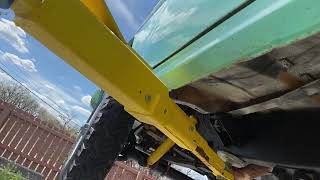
(268, 107)
(272, 103)
(250, 112)
(285, 78)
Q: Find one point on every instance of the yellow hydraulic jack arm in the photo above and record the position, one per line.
(85, 36)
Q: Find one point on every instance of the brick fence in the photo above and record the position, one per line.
(37, 145)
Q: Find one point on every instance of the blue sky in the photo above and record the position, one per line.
(46, 74)
(130, 14)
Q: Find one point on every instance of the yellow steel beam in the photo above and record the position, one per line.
(160, 151)
(100, 10)
(69, 29)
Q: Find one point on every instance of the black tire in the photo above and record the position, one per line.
(102, 147)
(5, 4)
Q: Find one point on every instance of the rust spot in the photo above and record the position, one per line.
(316, 98)
(202, 153)
(289, 80)
(208, 102)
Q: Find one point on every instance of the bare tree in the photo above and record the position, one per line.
(67, 118)
(19, 97)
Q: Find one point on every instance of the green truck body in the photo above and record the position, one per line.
(188, 40)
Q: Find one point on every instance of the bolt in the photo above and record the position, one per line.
(147, 98)
(286, 63)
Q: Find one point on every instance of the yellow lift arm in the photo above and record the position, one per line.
(80, 33)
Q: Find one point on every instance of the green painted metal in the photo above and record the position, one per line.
(96, 98)
(175, 23)
(255, 30)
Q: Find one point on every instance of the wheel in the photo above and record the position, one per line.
(95, 154)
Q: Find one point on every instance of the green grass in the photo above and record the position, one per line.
(10, 173)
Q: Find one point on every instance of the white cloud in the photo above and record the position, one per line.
(53, 91)
(49, 86)
(86, 100)
(13, 35)
(61, 102)
(81, 110)
(122, 10)
(78, 88)
(4, 76)
(59, 99)
(26, 64)
(163, 23)
(55, 95)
